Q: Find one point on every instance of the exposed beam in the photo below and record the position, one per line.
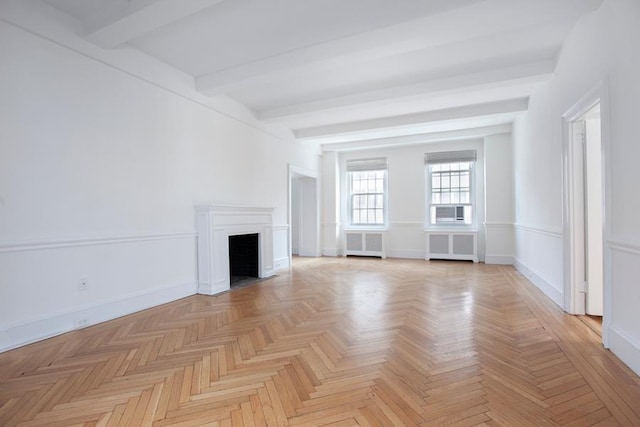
(458, 113)
(422, 138)
(449, 27)
(121, 29)
(500, 77)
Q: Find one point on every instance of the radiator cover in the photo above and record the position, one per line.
(365, 243)
(462, 245)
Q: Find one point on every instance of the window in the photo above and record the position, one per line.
(367, 189)
(450, 186)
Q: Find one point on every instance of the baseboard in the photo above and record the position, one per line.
(498, 259)
(23, 333)
(626, 347)
(308, 252)
(408, 254)
(331, 252)
(281, 263)
(547, 288)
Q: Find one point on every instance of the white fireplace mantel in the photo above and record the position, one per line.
(214, 224)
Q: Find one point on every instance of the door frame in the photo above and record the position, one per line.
(572, 304)
(293, 172)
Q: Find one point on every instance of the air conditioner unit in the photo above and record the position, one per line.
(449, 214)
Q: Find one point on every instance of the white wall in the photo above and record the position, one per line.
(499, 202)
(99, 174)
(330, 226)
(603, 47)
(406, 193)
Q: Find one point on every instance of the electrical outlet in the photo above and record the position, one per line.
(83, 285)
(80, 323)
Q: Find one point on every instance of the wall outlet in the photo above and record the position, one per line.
(83, 285)
(80, 323)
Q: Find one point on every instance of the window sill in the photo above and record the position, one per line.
(461, 228)
(366, 228)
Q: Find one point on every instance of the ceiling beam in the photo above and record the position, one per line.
(457, 113)
(121, 29)
(499, 77)
(448, 27)
(421, 138)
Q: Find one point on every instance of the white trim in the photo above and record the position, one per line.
(547, 288)
(625, 346)
(281, 263)
(547, 231)
(307, 252)
(575, 302)
(498, 259)
(406, 254)
(624, 246)
(281, 227)
(21, 333)
(91, 241)
(331, 252)
(498, 225)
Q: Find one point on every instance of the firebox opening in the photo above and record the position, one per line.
(243, 258)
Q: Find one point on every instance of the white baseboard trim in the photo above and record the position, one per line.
(331, 252)
(406, 254)
(626, 347)
(309, 252)
(547, 288)
(23, 333)
(498, 259)
(281, 263)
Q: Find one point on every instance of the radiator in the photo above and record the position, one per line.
(365, 243)
(461, 245)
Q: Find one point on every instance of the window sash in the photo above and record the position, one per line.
(367, 190)
(451, 184)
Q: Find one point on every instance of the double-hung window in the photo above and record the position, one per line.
(367, 191)
(450, 179)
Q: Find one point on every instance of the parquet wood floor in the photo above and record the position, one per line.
(332, 342)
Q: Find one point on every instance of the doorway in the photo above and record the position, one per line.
(584, 209)
(303, 213)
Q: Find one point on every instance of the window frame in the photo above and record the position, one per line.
(350, 201)
(472, 197)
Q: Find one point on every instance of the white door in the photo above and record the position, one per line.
(594, 209)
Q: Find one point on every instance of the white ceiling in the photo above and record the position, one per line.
(342, 72)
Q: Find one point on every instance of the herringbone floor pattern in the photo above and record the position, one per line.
(333, 341)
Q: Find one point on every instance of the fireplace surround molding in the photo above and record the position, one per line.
(214, 224)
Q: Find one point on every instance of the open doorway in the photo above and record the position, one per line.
(303, 213)
(585, 212)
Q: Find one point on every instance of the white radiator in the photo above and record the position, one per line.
(365, 243)
(452, 245)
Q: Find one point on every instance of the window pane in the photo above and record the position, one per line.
(455, 180)
(445, 181)
(435, 198)
(435, 181)
(464, 180)
(455, 197)
(356, 216)
(379, 217)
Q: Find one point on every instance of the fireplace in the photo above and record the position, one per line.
(243, 258)
(218, 227)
